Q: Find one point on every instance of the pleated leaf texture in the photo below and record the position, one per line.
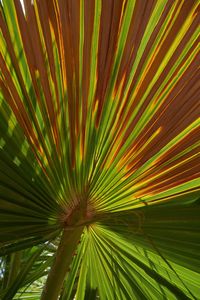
(100, 127)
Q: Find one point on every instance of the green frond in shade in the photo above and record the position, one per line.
(99, 143)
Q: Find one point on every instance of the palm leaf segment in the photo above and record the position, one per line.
(99, 127)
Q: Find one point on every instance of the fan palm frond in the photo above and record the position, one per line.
(99, 144)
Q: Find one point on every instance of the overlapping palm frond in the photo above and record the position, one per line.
(99, 127)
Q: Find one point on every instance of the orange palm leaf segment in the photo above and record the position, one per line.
(101, 101)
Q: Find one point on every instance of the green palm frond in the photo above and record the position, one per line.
(99, 143)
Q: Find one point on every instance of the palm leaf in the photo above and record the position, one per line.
(99, 140)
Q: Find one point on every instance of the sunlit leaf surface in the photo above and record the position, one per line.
(99, 125)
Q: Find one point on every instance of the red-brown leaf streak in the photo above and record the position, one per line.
(18, 73)
(168, 163)
(50, 34)
(40, 63)
(183, 80)
(55, 27)
(12, 97)
(174, 58)
(156, 146)
(179, 109)
(69, 15)
(105, 45)
(74, 7)
(139, 21)
(179, 84)
(189, 140)
(131, 39)
(153, 167)
(105, 53)
(136, 82)
(33, 142)
(155, 87)
(54, 17)
(89, 10)
(68, 57)
(72, 20)
(160, 165)
(44, 20)
(27, 43)
(137, 152)
(171, 180)
(189, 71)
(159, 124)
(56, 31)
(130, 42)
(168, 198)
(138, 24)
(139, 142)
(104, 32)
(164, 163)
(25, 38)
(167, 29)
(149, 129)
(147, 182)
(103, 49)
(146, 134)
(172, 196)
(11, 51)
(111, 16)
(149, 76)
